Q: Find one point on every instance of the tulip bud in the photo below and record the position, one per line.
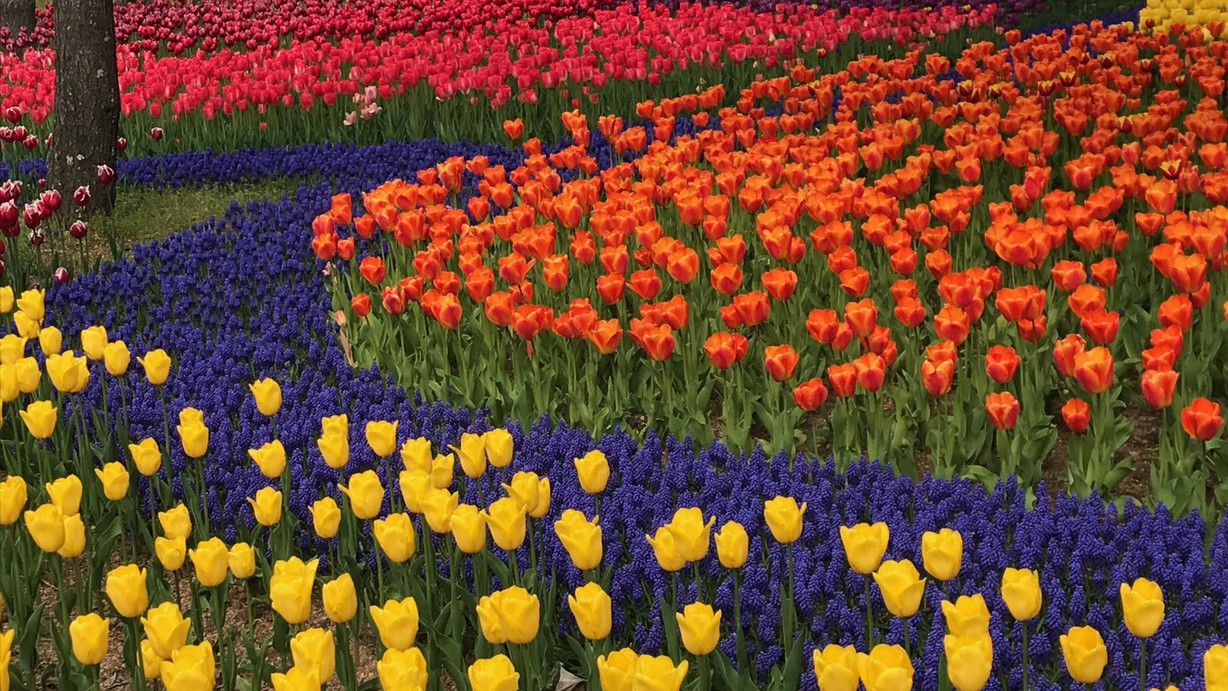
(114, 480)
(315, 651)
(1021, 593)
(943, 553)
(171, 552)
(266, 506)
(732, 545)
(326, 517)
(901, 586)
(700, 628)
(340, 599)
(402, 669)
(784, 518)
(494, 674)
(290, 589)
(865, 545)
(127, 590)
(242, 560)
(591, 607)
(397, 623)
(1085, 654)
(395, 536)
(212, 561)
(1142, 605)
(146, 456)
(90, 635)
(267, 394)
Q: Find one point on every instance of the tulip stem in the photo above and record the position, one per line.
(1026, 665)
(869, 617)
(1142, 664)
(739, 637)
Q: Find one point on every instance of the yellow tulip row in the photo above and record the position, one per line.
(1161, 15)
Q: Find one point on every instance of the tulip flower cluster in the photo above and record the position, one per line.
(963, 252)
(1175, 15)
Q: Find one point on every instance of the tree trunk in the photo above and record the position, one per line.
(16, 15)
(86, 100)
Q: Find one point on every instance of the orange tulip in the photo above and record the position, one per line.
(1001, 363)
(1159, 387)
(725, 349)
(1094, 370)
(780, 361)
(1202, 419)
(1077, 414)
(1003, 409)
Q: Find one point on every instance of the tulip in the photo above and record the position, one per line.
(692, 536)
(512, 614)
(943, 553)
(29, 376)
(1021, 593)
(967, 617)
(114, 479)
(505, 518)
(472, 452)
(494, 674)
(366, 494)
(194, 438)
(397, 623)
(171, 552)
(1201, 419)
(116, 358)
(46, 526)
(68, 373)
(594, 471)
(666, 550)
(191, 668)
(166, 629)
(402, 669)
(266, 506)
(340, 599)
(6, 299)
(395, 536)
(885, 668)
(151, 664)
(127, 590)
(784, 518)
(659, 673)
(1215, 667)
(90, 635)
(443, 471)
(415, 485)
(543, 499)
(26, 327)
(314, 650)
(437, 507)
(865, 545)
(901, 586)
(732, 545)
(74, 537)
(700, 628)
(295, 679)
(468, 529)
(969, 661)
(241, 559)
(416, 454)
(1094, 369)
(499, 447)
(176, 523)
(13, 494)
(835, 668)
(267, 393)
(382, 438)
(524, 489)
(93, 340)
(780, 362)
(592, 608)
(65, 493)
(335, 448)
(1084, 653)
(1142, 604)
(1077, 414)
(40, 418)
(157, 366)
(326, 518)
(581, 538)
(12, 348)
(212, 561)
(1003, 409)
(617, 670)
(146, 456)
(270, 458)
(290, 589)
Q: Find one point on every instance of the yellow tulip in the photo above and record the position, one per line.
(594, 471)
(1215, 668)
(835, 668)
(290, 588)
(266, 506)
(335, 448)
(885, 668)
(126, 587)
(382, 437)
(28, 374)
(692, 534)
(439, 506)
(659, 673)
(46, 526)
(12, 348)
(523, 489)
(943, 553)
(505, 519)
(1085, 654)
(157, 366)
(472, 452)
(416, 454)
(146, 456)
(326, 517)
(784, 518)
(267, 393)
(511, 615)
(732, 545)
(402, 669)
(191, 668)
(1143, 606)
(40, 418)
(90, 634)
(901, 586)
(114, 479)
(74, 537)
(468, 529)
(212, 561)
(93, 340)
(13, 495)
(494, 674)
(397, 623)
(26, 327)
(1021, 593)
(32, 304)
(166, 629)
(315, 650)
(865, 545)
(617, 670)
(241, 559)
(171, 552)
(581, 538)
(176, 523)
(270, 458)
(68, 373)
(116, 358)
(151, 664)
(969, 661)
(6, 299)
(500, 447)
(700, 627)
(414, 487)
(366, 494)
(8, 383)
(340, 599)
(395, 536)
(6, 656)
(666, 550)
(195, 439)
(443, 470)
(967, 617)
(295, 679)
(65, 493)
(543, 499)
(335, 424)
(592, 609)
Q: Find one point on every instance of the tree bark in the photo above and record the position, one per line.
(86, 100)
(16, 15)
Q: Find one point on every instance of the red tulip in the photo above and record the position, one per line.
(1094, 370)
(1003, 410)
(606, 335)
(1077, 414)
(1065, 351)
(373, 270)
(780, 284)
(843, 379)
(810, 395)
(1159, 387)
(1001, 363)
(780, 361)
(1202, 419)
(871, 371)
(361, 304)
(937, 376)
(725, 349)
